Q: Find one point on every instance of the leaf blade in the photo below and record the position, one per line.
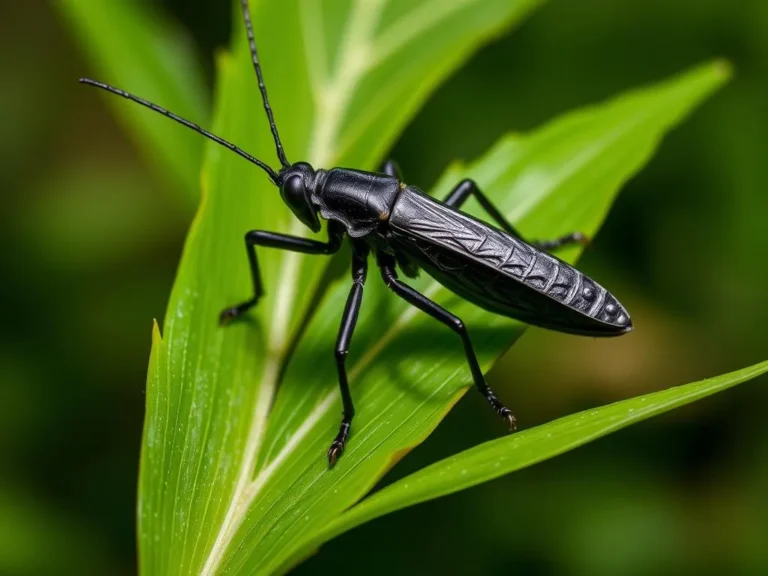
(136, 47)
(508, 454)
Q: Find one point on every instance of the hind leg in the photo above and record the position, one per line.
(467, 187)
(388, 273)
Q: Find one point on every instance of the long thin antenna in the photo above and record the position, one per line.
(262, 86)
(272, 174)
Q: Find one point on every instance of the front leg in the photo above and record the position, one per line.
(283, 242)
(467, 187)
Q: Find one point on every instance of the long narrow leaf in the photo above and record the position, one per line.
(508, 454)
(132, 45)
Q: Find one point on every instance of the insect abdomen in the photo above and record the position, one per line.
(501, 273)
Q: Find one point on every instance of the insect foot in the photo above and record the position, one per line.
(334, 452)
(337, 447)
(503, 411)
(507, 415)
(567, 240)
(580, 238)
(229, 314)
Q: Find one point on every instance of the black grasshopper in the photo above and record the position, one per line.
(404, 228)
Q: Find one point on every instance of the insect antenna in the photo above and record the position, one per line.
(270, 172)
(262, 86)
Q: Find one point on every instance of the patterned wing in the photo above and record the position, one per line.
(480, 261)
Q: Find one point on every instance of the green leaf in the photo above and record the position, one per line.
(510, 453)
(134, 46)
(352, 73)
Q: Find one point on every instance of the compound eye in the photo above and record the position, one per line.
(294, 194)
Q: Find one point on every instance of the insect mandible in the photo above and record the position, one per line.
(492, 267)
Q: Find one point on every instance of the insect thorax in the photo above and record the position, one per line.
(361, 201)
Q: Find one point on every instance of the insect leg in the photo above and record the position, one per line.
(390, 168)
(572, 238)
(387, 266)
(283, 242)
(348, 321)
(465, 188)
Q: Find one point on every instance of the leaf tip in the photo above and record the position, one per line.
(157, 337)
(723, 68)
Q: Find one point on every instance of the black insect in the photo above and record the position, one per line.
(492, 267)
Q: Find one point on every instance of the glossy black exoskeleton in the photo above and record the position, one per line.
(493, 267)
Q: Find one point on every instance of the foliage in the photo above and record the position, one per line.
(133, 46)
(233, 471)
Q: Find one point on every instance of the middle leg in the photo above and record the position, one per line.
(387, 266)
(348, 322)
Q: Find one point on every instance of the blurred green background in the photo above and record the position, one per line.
(91, 236)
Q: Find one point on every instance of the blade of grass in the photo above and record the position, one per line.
(510, 453)
(136, 47)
